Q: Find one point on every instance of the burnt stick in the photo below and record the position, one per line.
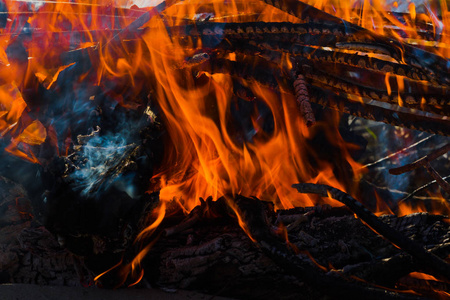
(419, 189)
(312, 33)
(368, 110)
(422, 161)
(139, 22)
(349, 86)
(426, 260)
(420, 95)
(433, 173)
(252, 213)
(287, 36)
(397, 49)
(257, 69)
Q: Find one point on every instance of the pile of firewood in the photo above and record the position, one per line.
(310, 252)
(71, 217)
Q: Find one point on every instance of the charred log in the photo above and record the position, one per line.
(425, 258)
(215, 256)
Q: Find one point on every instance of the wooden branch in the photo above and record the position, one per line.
(429, 62)
(401, 151)
(421, 162)
(426, 260)
(413, 193)
(444, 184)
(252, 213)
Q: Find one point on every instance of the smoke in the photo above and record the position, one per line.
(98, 163)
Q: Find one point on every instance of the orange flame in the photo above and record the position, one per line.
(435, 204)
(422, 276)
(382, 207)
(241, 222)
(205, 154)
(133, 269)
(282, 231)
(430, 283)
(411, 20)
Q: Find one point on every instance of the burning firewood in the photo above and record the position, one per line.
(123, 135)
(390, 234)
(193, 255)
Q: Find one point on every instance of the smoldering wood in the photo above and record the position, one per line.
(255, 69)
(416, 250)
(214, 255)
(194, 257)
(430, 62)
(28, 252)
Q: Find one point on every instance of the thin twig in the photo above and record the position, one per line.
(413, 193)
(426, 260)
(398, 152)
(421, 162)
(444, 184)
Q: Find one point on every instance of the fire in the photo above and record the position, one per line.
(400, 19)
(208, 152)
(437, 204)
(210, 160)
(427, 283)
(241, 222)
(382, 207)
